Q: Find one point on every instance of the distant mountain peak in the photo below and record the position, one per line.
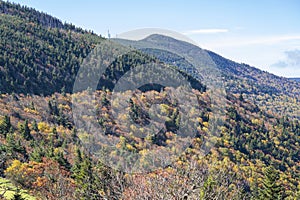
(162, 38)
(295, 79)
(156, 36)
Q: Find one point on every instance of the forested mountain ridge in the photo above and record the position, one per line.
(270, 92)
(36, 60)
(34, 16)
(255, 157)
(295, 79)
(38, 54)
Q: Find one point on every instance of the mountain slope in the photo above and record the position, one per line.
(34, 16)
(264, 82)
(295, 79)
(39, 138)
(258, 86)
(250, 141)
(39, 60)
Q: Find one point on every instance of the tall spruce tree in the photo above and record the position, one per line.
(5, 125)
(25, 131)
(270, 189)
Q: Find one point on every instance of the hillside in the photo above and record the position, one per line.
(269, 92)
(49, 149)
(36, 17)
(35, 59)
(40, 134)
(295, 79)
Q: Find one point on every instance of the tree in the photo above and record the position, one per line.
(14, 146)
(37, 154)
(25, 131)
(35, 126)
(104, 99)
(84, 177)
(241, 98)
(270, 189)
(5, 125)
(76, 166)
(187, 181)
(53, 181)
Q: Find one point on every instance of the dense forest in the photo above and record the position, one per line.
(36, 58)
(44, 153)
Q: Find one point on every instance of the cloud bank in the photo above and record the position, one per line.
(290, 65)
(205, 31)
(292, 60)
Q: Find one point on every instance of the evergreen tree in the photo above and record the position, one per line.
(25, 131)
(77, 164)
(254, 189)
(59, 157)
(85, 178)
(14, 146)
(270, 190)
(5, 125)
(35, 126)
(54, 133)
(104, 99)
(36, 154)
(241, 98)
(74, 136)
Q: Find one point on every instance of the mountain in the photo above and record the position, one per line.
(255, 85)
(36, 17)
(47, 154)
(295, 79)
(48, 58)
(39, 54)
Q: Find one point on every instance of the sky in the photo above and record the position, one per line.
(262, 33)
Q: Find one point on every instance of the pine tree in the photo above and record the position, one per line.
(270, 190)
(25, 131)
(104, 99)
(54, 133)
(36, 154)
(35, 126)
(77, 164)
(59, 157)
(84, 177)
(11, 143)
(5, 125)
(241, 98)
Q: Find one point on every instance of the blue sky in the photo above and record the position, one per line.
(262, 33)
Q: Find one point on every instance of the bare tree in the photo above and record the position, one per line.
(195, 181)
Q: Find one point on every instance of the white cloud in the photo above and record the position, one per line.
(205, 31)
(292, 60)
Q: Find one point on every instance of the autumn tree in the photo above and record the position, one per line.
(186, 181)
